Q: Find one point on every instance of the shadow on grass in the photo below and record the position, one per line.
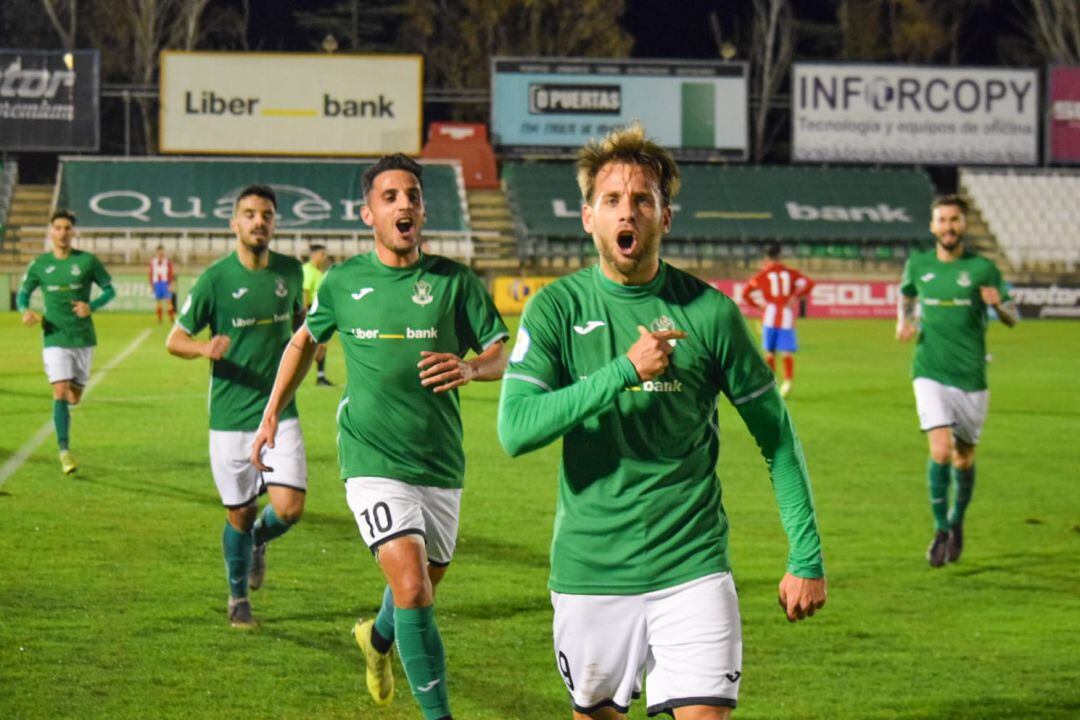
(486, 549)
(156, 489)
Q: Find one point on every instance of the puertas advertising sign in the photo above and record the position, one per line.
(1063, 120)
(291, 103)
(904, 114)
(696, 109)
(49, 100)
(197, 194)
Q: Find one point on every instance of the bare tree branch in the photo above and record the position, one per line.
(66, 30)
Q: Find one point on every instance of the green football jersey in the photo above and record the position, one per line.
(951, 346)
(63, 282)
(257, 310)
(389, 425)
(639, 503)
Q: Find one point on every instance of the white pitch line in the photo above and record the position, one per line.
(23, 454)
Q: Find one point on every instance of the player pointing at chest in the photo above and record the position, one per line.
(624, 361)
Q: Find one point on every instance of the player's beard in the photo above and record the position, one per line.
(630, 266)
(950, 243)
(257, 244)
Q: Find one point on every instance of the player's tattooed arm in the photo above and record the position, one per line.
(905, 318)
(1006, 311)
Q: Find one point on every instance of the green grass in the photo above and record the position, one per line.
(112, 592)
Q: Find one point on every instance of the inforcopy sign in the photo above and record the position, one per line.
(1063, 138)
(903, 114)
(696, 109)
(48, 100)
(290, 103)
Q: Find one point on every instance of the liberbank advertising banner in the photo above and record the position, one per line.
(696, 109)
(904, 114)
(198, 194)
(291, 103)
(48, 100)
(1063, 121)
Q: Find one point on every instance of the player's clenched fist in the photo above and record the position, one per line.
(216, 347)
(650, 353)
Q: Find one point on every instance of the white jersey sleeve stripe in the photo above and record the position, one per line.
(526, 378)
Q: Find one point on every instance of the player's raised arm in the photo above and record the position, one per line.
(1006, 311)
(181, 344)
(532, 414)
(446, 371)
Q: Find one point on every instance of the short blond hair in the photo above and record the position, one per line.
(627, 145)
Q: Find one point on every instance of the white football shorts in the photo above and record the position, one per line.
(68, 363)
(941, 405)
(237, 480)
(387, 509)
(686, 639)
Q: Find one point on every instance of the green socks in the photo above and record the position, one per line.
(965, 486)
(269, 526)
(421, 649)
(938, 476)
(62, 420)
(384, 621)
(236, 546)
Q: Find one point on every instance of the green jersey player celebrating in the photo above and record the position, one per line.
(252, 301)
(405, 320)
(65, 276)
(625, 361)
(953, 288)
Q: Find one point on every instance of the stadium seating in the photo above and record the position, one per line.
(727, 211)
(468, 144)
(1033, 214)
(127, 207)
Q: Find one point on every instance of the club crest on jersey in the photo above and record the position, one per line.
(964, 280)
(280, 288)
(664, 323)
(75, 270)
(422, 293)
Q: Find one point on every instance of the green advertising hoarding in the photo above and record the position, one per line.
(152, 194)
(748, 202)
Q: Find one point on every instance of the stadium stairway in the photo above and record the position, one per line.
(25, 233)
(981, 240)
(494, 244)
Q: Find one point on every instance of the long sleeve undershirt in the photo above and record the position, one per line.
(532, 416)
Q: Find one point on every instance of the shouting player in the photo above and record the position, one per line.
(776, 290)
(65, 276)
(251, 300)
(953, 289)
(625, 361)
(406, 320)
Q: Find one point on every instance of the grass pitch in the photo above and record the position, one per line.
(112, 590)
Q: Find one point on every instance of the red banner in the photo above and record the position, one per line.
(830, 298)
(1064, 121)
